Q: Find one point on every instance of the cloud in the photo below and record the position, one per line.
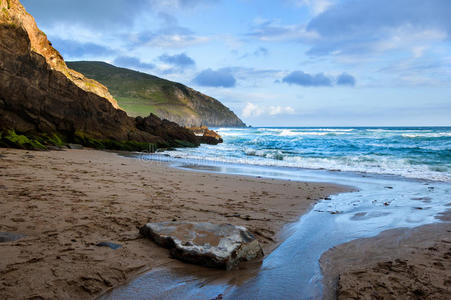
(279, 110)
(365, 25)
(254, 110)
(170, 25)
(261, 51)
(304, 79)
(74, 49)
(316, 80)
(169, 35)
(179, 60)
(362, 27)
(120, 22)
(413, 66)
(428, 71)
(316, 6)
(185, 4)
(95, 14)
(245, 73)
(273, 30)
(174, 40)
(102, 13)
(132, 62)
(175, 63)
(219, 78)
(345, 79)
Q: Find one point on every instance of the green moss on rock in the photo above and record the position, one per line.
(11, 139)
(181, 143)
(88, 141)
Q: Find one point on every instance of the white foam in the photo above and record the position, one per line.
(364, 163)
(288, 132)
(426, 135)
(235, 151)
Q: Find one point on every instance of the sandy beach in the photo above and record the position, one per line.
(333, 113)
(396, 264)
(66, 202)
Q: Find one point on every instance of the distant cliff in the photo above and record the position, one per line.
(43, 101)
(140, 94)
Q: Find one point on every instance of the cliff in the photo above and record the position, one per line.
(40, 97)
(140, 94)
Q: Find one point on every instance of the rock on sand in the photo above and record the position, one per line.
(220, 246)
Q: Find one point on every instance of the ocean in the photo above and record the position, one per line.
(420, 152)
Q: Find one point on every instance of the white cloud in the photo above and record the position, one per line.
(251, 110)
(278, 110)
(180, 4)
(316, 6)
(274, 30)
(409, 38)
(254, 110)
(176, 41)
(418, 51)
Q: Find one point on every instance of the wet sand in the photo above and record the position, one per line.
(66, 202)
(396, 264)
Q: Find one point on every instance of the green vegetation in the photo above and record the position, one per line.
(86, 140)
(11, 139)
(181, 143)
(54, 139)
(135, 107)
(140, 94)
(137, 93)
(5, 12)
(43, 141)
(128, 83)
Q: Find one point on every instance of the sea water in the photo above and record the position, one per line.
(403, 180)
(422, 152)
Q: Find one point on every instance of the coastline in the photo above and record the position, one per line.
(66, 202)
(412, 263)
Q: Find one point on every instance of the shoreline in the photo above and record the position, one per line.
(66, 202)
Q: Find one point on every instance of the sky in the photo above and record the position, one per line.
(278, 62)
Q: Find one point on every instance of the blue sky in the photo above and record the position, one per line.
(276, 63)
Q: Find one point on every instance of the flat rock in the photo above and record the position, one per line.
(74, 146)
(9, 237)
(54, 148)
(109, 245)
(213, 245)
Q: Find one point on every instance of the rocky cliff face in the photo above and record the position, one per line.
(139, 94)
(206, 111)
(40, 94)
(14, 13)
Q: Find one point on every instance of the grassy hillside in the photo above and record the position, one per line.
(140, 94)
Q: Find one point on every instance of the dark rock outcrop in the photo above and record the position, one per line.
(40, 94)
(167, 130)
(219, 246)
(206, 136)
